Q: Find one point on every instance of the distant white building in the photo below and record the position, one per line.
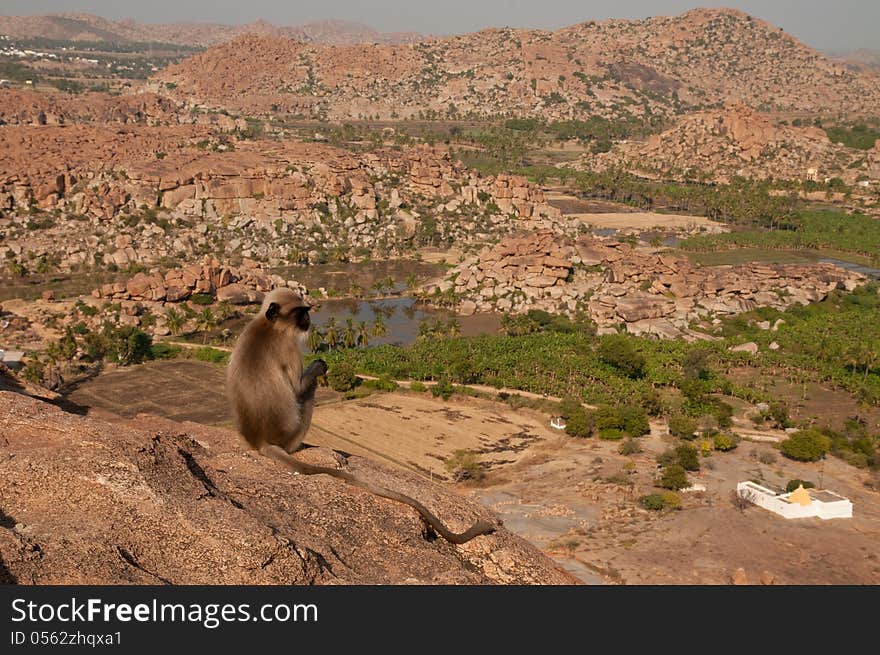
(558, 423)
(800, 503)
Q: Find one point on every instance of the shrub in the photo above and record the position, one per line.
(384, 383)
(687, 457)
(611, 434)
(724, 442)
(633, 420)
(673, 477)
(778, 413)
(569, 406)
(580, 424)
(656, 502)
(463, 465)
(794, 484)
(606, 417)
(164, 351)
(211, 355)
(617, 351)
(653, 502)
(202, 298)
(126, 344)
(443, 389)
(806, 446)
(671, 500)
(629, 447)
(767, 458)
(342, 377)
(418, 386)
(682, 426)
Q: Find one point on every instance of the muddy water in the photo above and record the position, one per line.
(401, 316)
(364, 274)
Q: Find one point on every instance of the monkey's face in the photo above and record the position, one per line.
(289, 313)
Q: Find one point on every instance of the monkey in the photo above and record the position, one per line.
(272, 398)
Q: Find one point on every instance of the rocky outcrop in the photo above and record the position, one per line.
(100, 171)
(151, 501)
(736, 141)
(23, 107)
(645, 292)
(242, 285)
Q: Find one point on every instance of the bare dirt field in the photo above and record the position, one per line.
(180, 390)
(640, 221)
(420, 433)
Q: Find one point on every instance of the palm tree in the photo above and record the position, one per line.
(349, 334)
(331, 334)
(175, 321)
(380, 329)
(412, 281)
(453, 327)
(205, 321)
(363, 334)
(315, 340)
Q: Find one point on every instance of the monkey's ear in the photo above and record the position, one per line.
(272, 311)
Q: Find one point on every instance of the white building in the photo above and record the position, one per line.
(800, 503)
(558, 423)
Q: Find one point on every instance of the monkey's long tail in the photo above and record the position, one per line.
(478, 528)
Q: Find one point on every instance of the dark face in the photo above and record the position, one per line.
(297, 315)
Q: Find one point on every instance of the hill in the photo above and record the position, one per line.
(631, 69)
(87, 27)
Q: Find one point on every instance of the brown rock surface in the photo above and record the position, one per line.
(153, 501)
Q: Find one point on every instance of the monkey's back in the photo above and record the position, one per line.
(258, 385)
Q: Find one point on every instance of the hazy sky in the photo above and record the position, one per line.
(824, 24)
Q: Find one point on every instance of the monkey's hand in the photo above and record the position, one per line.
(317, 368)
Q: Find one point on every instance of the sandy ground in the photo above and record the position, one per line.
(420, 433)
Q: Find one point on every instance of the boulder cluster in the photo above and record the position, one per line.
(643, 291)
(237, 285)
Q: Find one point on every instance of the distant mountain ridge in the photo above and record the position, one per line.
(88, 27)
(702, 59)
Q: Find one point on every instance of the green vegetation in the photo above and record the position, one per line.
(342, 377)
(580, 424)
(673, 477)
(724, 442)
(859, 136)
(794, 484)
(618, 351)
(656, 502)
(835, 341)
(806, 446)
(806, 230)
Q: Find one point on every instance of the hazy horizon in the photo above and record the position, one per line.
(842, 26)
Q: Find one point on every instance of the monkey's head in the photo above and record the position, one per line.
(286, 310)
